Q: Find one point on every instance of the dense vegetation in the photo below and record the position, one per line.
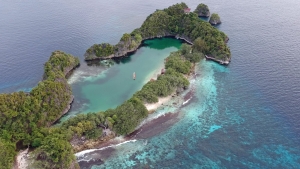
(7, 154)
(101, 50)
(202, 10)
(125, 118)
(53, 149)
(173, 21)
(214, 19)
(26, 117)
(128, 42)
(164, 85)
(24, 114)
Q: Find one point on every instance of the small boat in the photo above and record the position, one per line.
(133, 75)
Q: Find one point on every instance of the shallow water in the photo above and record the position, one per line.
(213, 134)
(245, 115)
(115, 84)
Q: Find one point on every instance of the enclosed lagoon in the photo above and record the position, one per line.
(243, 116)
(114, 84)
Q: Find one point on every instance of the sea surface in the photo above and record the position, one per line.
(245, 115)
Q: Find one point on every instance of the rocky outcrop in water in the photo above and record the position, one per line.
(127, 44)
(215, 19)
(202, 10)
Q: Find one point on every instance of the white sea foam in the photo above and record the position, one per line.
(88, 75)
(76, 77)
(82, 154)
(150, 118)
(186, 101)
(156, 115)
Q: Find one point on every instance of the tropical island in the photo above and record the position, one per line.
(175, 21)
(27, 118)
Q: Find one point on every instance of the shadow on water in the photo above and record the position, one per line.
(123, 60)
(204, 18)
(158, 43)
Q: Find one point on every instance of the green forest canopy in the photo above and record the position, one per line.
(26, 117)
(173, 21)
(24, 114)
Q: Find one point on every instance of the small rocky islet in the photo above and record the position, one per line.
(202, 10)
(215, 19)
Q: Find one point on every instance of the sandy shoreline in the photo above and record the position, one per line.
(151, 126)
(161, 101)
(151, 107)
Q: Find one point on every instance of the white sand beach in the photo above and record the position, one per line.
(154, 106)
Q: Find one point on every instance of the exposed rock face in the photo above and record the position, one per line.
(162, 34)
(66, 70)
(103, 50)
(127, 44)
(69, 69)
(202, 10)
(185, 38)
(222, 62)
(65, 111)
(80, 145)
(215, 19)
(123, 48)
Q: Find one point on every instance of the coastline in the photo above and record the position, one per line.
(127, 45)
(132, 51)
(221, 62)
(66, 110)
(156, 123)
(129, 52)
(108, 140)
(68, 72)
(152, 107)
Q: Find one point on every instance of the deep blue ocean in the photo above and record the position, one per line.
(245, 115)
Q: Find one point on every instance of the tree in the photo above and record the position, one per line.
(55, 153)
(200, 46)
(126, 37)
(7, 154)
(194, 57)
(185, 48)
